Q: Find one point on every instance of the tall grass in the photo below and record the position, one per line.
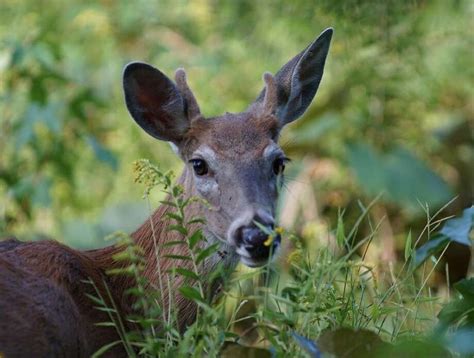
(273, 308)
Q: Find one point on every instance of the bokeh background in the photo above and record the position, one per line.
(393, 115)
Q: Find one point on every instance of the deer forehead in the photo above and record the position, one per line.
(215, 158)
(240, 136)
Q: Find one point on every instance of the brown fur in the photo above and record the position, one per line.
(43, 302)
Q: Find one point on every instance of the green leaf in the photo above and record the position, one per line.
(460, 309)
(185, 273)
(466, 288)
(404, 178)
(196, 221)
(191, 293)
(430, 248)
(178, 257)
(458, 229)
(195, 238)
(105, 324)
(173, 243)
(408, 248)
(340, 235)
(104, 349)
(95, 299)
(208, 251)
(177, 190)
(453, 230)
(178, 228)
(168, 203)
(174, 216)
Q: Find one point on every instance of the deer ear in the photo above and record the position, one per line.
(154, 102)
(297, 81)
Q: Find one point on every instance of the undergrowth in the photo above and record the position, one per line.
(304, 304)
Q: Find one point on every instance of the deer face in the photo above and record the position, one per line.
(232, 161)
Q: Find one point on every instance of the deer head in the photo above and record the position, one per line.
(233, 161)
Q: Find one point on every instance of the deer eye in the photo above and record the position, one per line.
(199, 166)
(279, 166)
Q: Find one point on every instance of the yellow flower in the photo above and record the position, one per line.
(279, 230)
(269, 240)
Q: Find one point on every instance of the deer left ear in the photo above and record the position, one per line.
(164, 110)
(296, 83)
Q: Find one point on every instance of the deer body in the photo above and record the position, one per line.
(232, 161)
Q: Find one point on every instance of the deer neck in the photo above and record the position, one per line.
(151, 237)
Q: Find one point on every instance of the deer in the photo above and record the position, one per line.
(232, 161)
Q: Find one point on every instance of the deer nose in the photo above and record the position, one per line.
(256, 241)
(253, 236)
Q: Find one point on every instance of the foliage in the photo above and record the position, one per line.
(157, 331)
(394, 102)
(323, 304)
(393, 114)
(454, 230)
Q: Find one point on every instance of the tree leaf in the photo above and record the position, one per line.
(455, 229)
(430, 248)
(404, 178)
(458, 229)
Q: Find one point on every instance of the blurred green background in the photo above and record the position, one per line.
(394, 112)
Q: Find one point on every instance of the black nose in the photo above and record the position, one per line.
(256, 241)
(253, 236)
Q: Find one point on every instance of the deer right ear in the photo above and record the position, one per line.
(291, 91)
(155, 103)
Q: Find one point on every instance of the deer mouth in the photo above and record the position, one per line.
(259, 254)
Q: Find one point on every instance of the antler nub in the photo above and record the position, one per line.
(192, 105)
(271, 94)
